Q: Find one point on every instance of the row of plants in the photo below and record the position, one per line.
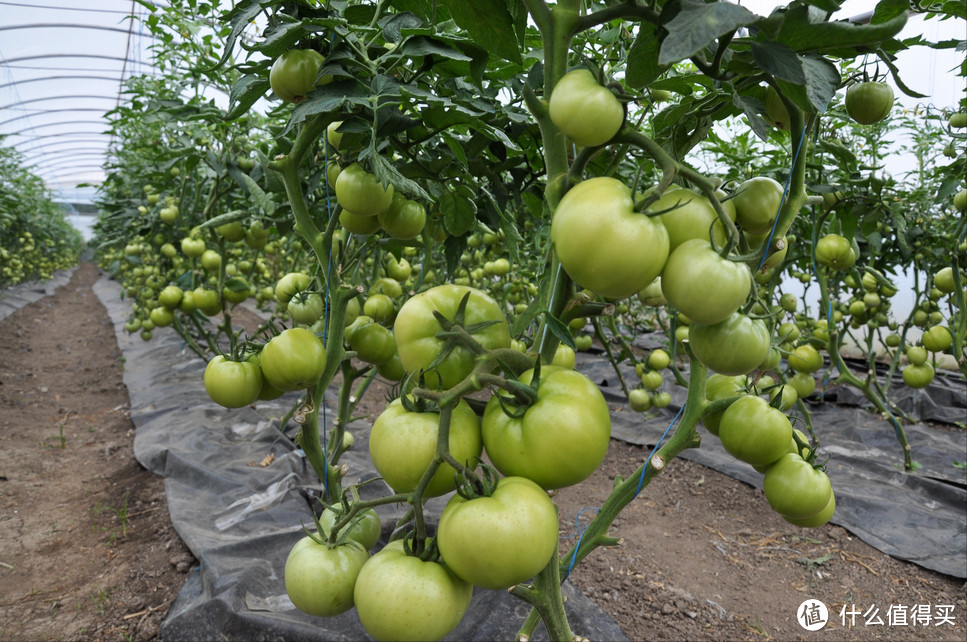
(454, 197)
(36, 239)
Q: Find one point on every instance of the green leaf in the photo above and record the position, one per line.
(887, 10)
(822, 80)
(778, 61)
(642, 65)
(453, 249)
(490, 25)
(423, 46)
(560, 330)
(328, 98)
(385, 172)
(896, 75)
(397, 22)
(800, 33)
(826, 5)
(281, 37)
(259, 197)
(698, 24)
(228, 217)
(245, 93)
(459, 213)
(241, 15)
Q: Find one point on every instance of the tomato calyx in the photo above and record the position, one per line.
(524, 395)
(471, 486)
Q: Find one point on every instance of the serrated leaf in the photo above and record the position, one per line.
(228, 217)
(886, 10)
(328, 98)
(489, 24)
(280, 37)
(386, 173)
(778, 61)
(244, 94)
(642, 67)
(240, 17)
(453, 249)
(259, 197)
(459, 213)
(424, 46)
(800, 33)
(559, 330)
(751, 108)
(393, 25)
(698, 24)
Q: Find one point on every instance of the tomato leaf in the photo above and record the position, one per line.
(490, 24)
(281, 37)
(244, 93)
(241, 15)
(697, 25)
(560, 330)
(459, 213)
(779, 61)
(801, 33)
(643, 66)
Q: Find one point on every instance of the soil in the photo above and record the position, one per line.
(87, 550)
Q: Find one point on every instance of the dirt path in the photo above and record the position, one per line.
(87, 551)
(86, 547)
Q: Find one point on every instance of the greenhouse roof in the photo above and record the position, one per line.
(62, 68)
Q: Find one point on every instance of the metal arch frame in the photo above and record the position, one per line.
(46, 98)
(67, 138)
(81, 166)
(42, 167)
(70, 77)
(66, 25)
(83, 147)
(7, 61)
(41, 112)
(74, 132)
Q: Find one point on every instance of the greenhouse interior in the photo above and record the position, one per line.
(494, 320)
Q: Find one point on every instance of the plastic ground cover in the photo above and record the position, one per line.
(240, 518)
(17, 296)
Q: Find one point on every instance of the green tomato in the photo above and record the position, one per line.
(416, 330)
(652, 379)
(869, 102)
(359, 225)
(834, 251)
(583, 110)
(651, 295)
(293, 359)
(943, 280)
(560, 439)
(498, 541)
(757, 204)
(693, 217)
(564, 357)
(289, 284)
(192, 247)
(161, 316)
(306, 307)
(819, 519)
(233, 384)
(373, 343)
(320, 579)
(603, 244)
(294, 73)
(703, 285)
(775, 110)
(918, 375)
(754, 432)
(804, 383)
(402, 445)
(735, 346)
(720, 386)
(639, 399)
(403, 219)
(380, 307)
(659, 359)
(805, 358)
(794, 488)
(935, 339)
(359, 192)
(364, 527)
(400, 597)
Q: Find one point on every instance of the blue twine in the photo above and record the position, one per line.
(577, 546)
(782, 201)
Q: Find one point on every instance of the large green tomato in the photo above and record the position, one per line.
(918, 375)
(289, 284)
(583, 110)
(416, 328)
(757, 204)
(560, 439)
(320, 578)
(404, 219)
(819, 519)
(373, 343)
(361, 225)
(233, 384)
(294, 73)
(834, 251)
(402, 444)
(794, 488)
(805, 358)
(498, 541)
(359, 192)
(720, 386)
(754, 432)
(693, 217)
(399, 597)
(735, 346)
(869, 102)
(703, 285)
(603, 243)
(293, 359)
(936, 339)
